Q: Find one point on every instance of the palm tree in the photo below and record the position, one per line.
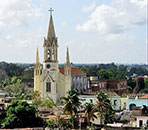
(103, 107)
(71, 102)
(89, 112)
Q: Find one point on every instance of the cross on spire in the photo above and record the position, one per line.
(51, 10)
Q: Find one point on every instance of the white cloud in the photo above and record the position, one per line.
(116, 18)
(18, 12)
(8, 37)
(64, 23)
(89, 8)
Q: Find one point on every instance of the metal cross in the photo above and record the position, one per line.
(51, 11)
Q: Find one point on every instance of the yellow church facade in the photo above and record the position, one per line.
(48, 80)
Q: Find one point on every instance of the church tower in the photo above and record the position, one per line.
(50, 64)
(67, 73)
(37, 73)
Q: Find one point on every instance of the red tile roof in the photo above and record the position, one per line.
(73, 71)
(145, 96)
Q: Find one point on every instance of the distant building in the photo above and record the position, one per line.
(141, 115)
(136, 101)
(118, 102)
(118, 86)
(78, 79)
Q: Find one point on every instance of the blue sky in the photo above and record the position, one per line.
(96, 31)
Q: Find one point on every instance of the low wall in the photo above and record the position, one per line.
(121, 128)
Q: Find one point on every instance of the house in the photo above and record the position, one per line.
(118, 102)
(78, 79)
(118, 86)
(141, 115)
(136, 101)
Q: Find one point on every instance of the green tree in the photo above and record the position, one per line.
(18, 89)
(28, 74)
(89, 107)
(60, 122)
(14, 70)
(104, 74)
(51, 124)
(104, 108)
(48, 103)
(2, 116)
(38, 102)
(132, 83)
(129, 89)
(71, 102)
(36, 99)
(19, 114)
(146, 85)
(3, 76)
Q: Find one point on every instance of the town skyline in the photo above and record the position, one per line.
(95, 32)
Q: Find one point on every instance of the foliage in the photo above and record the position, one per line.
(140, 84)
(112, 71)
(137, 70)
(28, 74)
(129, 89)
(51, 124)
(48, 103)
(104, 108)
(145, 90)
(19, 114)
(132, 83)
(89, 112)
(17, 89)
(71, 102)
(41, 103)
(14, 70)
(3, 76)
(2, 116)
(60, 122)
(36, 99)
(106, 71)
(91, 127)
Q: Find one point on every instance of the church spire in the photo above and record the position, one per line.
(67, 66)
(67, 57)
(51, 31)
(37, 73)
(50, 43)
(37, 57)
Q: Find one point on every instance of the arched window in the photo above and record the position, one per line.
(115, 102)
(48, 87)
(52, 54)
(131, 106)
(48, 54)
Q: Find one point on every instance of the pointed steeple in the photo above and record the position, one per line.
(37, 73)
(51, 31)
(37, 64)
(50, 43)
(67, 57)
(37, 57)
(67, 65)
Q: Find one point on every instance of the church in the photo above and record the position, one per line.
(50, 80)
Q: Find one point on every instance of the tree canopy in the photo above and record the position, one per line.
(19, 114)
(71, 102)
